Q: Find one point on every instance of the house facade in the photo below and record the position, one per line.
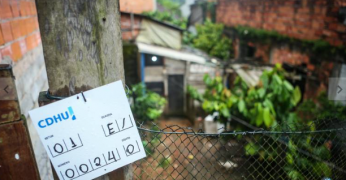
(163, 63)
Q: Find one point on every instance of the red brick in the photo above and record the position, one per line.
(33, 24)
(332, 26)
(16, 51)
(311, 67)
(317, 25)
(330, 19)
(23, 47)
(30, 42)
(337, 42)
(32, 8)
(6, 31)
(329, 33)
(24, 9)
(137, 6)
(25, 26)
(2, 41)
(341, 28)
(16, 29)
(15, 8)
(304, 10)
(6, 51)
(5, 9)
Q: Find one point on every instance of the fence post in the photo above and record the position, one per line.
(17, 160)
(82, 49)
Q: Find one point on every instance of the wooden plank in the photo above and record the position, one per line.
(9, 105)
(16, 156)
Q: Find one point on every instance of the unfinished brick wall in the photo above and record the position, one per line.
(20, 45)
(137, 6)
(125, 23)
(18, 28)
(302, 19)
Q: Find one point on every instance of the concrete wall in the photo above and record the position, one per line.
(20, 45)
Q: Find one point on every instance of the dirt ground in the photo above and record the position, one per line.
(181, 156)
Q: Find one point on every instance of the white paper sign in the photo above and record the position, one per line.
(85, 140)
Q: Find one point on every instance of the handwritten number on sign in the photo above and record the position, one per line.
(123, 123)
(73, 144)
(97, 161)
(130, 148)
(57, 149)
(69, 175)
(111, 156)
(86, 169)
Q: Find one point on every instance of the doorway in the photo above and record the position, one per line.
(176, 94)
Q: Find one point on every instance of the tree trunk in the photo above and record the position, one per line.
(82, 49)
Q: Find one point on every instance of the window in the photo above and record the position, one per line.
(153, 60)
(342, 15)
(155, 87)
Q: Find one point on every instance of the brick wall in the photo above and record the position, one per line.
(19, 32)
(20, 45)
(125, 23)
(302, 19)
(137, 6)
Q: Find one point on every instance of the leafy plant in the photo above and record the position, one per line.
(270, 102)
(322, 108)
(164, 162)
(319, 47)
(272, 105)
(210, 39)
(147, 105)
(216, 97)
(171, 14)
(168, 17)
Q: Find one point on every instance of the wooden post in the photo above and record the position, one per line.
(82, 48)
(17, 160)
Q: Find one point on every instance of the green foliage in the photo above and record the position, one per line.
(150, 146)
(168, 17)
(211, 40)
(272, 105)
(322, 108)
(257, 103)
(147, 105)
(318, 47)
(216, 97)
(251, 149)
(171, 15)
(165, 162)
(170, 6)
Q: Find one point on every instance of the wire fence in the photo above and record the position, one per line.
(316, 151)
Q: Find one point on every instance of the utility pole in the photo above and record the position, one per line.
(82, 49)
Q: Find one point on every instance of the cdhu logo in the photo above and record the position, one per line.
(57, 118)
